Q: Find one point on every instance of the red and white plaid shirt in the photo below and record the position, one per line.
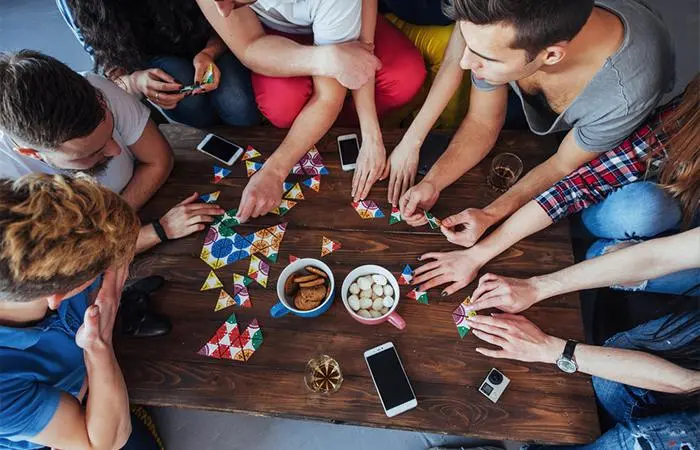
(638, 156)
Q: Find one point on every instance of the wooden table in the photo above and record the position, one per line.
(541, 403)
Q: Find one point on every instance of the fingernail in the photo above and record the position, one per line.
(93, 311)
(419, 258)
(443, 293)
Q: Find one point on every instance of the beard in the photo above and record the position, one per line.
(94, 171)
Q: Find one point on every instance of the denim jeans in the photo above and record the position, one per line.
(232, 103)
(643, 419)
(631, 214)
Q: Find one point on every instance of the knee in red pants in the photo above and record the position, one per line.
(281, 100)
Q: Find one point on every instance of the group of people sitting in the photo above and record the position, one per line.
(79, 155)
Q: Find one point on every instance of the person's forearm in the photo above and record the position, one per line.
(276, 56)
(147, 179)
(314, 120)
(215, 47)
(107, 414)
(630, 367)
(644, 261)
(147, 238)
(527, 221)
(367, 110)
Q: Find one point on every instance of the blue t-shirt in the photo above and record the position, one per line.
(37, 363)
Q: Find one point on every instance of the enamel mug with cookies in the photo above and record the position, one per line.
(305, 288)
(371, 294)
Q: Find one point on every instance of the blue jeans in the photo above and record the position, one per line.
(635, 212)
(232, 103)
(417, 12)
(643, 419)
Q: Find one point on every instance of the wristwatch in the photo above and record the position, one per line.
(566, 361)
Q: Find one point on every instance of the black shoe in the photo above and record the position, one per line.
(147, 285)
(138, 321)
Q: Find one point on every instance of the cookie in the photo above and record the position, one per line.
(310, 297)
(305, 278)
(316, 282)
(290, 287)
(316, 271)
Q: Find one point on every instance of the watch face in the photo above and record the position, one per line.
(566, 365)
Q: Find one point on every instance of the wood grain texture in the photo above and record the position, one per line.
(541, 404)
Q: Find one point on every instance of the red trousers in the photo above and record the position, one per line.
(396, 83)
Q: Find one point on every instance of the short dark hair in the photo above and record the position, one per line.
(538, 23)
(43, 102)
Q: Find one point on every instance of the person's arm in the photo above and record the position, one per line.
(372, 157)
(403, 161)
(474, 139)
(519, 339)
(264, 190)
(644, 261)
(155, 161)
(350, 63)
(105, 422)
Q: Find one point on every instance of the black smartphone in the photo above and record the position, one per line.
(432, 149)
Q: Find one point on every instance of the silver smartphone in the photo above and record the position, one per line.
(390, 379)
(220, 149)
(349, 149)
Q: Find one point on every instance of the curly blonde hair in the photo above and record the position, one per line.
(58, 232)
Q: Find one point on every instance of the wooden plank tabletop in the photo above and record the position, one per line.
(541, 404)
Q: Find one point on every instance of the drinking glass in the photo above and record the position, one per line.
(506, 168)
(323, 375)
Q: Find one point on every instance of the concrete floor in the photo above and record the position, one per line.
(36, 24)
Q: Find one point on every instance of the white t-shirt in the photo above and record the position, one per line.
(330, 21)
(130, 118)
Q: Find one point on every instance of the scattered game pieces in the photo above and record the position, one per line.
(406, 276)
(240, 281)
(208, 75)
(224, 301)
(229, 343)
(368, 209)
(328, 246)
(240, 290)
(267, 241)
(314, 183)
(292, 258)
(224, 246)
(259, 270)
(419, 296)
(252, 166)
(395, 216)
(294, 192)
(284, 207)
(433, 221)
(310, 164)
(210, 197)
(212, 282)
(460, 316)
(250, 153)
(219, 174)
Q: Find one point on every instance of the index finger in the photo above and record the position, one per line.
(245, 209)
(479, 305)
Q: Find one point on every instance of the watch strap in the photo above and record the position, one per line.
(569, 349)
(160, 231)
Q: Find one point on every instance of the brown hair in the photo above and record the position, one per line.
(680, 174)
(44, 103)
(537, 23)
(58, 232)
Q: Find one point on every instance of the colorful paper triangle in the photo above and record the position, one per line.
(433, 221)
(406, 275)
(212, 282)
(259, 270)
(294, 193)
(229, 343)
(250, 153)
(368, 209)
(395, 216)
(251, 167)
(328, 246)
(284, 207)
(314, 183)
(224, 301)
(419, 296)
(219, 174)
(210, 197)
(460, 316)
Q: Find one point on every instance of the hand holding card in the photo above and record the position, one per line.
(160, 87)
(206, 73)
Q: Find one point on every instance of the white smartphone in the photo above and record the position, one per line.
(220, 149)
(390, 379)
(349, 149)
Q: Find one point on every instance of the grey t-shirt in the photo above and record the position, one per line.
(621, 94)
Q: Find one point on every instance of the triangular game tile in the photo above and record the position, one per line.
(419, 296)
(259, 270)
(406, 275)
(250, 153)
(212, 282)
(220, 173)
(210, 197)
(328, 246)
(395, 216)
(294, 193)
(224, 301)
(251, 167)
(284, 207)
(460, 316)
(314, 183)
(292, 258)
(368, 209)
(433, 221)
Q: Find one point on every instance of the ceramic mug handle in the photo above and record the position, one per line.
(279, 310)
(396, 320)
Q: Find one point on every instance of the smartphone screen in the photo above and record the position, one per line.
(390, 378)
(349, 151)
(220, 148)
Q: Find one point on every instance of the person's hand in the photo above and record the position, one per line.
(262, 194)
(511, 295)
(369, 167)
(416, 201)
(351, 63)
(466, 227)
(96, 331)
(201, 62)
(401, 168)
(458, 268)
(188, 217)
(517, 337)
(158, 86)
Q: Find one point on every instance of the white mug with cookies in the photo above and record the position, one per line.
(304, 288)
